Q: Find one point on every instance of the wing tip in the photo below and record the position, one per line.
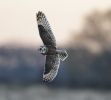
(40, 15)
(50, 76)
(47, 78)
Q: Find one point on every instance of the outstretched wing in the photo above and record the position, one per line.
(51, 67)
(45, 30)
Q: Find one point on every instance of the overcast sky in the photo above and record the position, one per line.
(18, 21)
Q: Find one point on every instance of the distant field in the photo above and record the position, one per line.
(44, 93)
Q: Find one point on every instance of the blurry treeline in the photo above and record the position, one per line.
(90, 56)
(88, 64)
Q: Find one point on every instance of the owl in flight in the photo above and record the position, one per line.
(53, 55)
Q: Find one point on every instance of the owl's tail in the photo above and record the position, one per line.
(62, 54)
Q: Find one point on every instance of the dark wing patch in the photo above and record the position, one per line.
(46, 37)
(51, 67)
(45, 30)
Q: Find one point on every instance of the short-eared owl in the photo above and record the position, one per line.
(53, 55)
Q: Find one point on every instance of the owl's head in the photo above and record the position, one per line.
(43, 50)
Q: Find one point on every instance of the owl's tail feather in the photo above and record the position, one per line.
(62, 54)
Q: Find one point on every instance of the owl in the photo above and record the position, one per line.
(49, 49)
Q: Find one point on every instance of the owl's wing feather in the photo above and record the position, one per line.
(45, 30)
(51, 67)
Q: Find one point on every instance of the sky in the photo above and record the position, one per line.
(18, 19)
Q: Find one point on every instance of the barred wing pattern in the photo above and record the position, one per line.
(45, 30)
(51, 67)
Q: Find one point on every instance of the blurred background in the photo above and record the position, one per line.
(82, 27)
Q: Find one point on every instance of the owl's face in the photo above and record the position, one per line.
(43, 50)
